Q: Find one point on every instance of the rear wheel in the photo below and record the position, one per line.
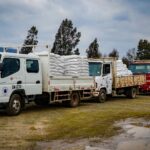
(14, 106)
(75, 100)
(102, 96)
(132, 92)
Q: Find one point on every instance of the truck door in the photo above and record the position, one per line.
(12, 77)
(33, 77)
(107, 77)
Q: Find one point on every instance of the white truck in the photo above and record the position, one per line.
(108, 83)
(26, 78)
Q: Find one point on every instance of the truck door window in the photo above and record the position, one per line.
(32, 66)
(10, 66)
(106, 69)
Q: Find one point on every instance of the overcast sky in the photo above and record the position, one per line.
(116, 23)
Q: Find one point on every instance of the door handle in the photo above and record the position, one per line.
(19, 82)
(38, 82)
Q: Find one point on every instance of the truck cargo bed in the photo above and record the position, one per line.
(127, 81)
(69, 83)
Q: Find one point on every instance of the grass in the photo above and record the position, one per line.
(56, 122)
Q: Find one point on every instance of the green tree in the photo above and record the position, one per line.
(66, 39)
(93, 50)
(114, 53)
(31, 39)
(143, 51)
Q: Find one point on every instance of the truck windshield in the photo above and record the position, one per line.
(139, 68)
(95, 68)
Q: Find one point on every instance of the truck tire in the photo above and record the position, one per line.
(15, 105)
(132, 92)
(102, 96)
(75, 100)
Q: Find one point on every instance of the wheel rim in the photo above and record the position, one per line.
(16, 105)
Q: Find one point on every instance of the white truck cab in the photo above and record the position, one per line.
(102, 71)
(20, 76)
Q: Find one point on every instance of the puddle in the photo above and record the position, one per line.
(136, 129)
(136, 135)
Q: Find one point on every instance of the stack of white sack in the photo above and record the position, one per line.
(122, 69)
(84, 67)
(72, 65)
(56, 65)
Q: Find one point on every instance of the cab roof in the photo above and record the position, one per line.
(141, 62)
(17, 55)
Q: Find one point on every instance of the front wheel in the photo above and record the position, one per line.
(75, 100)
(14, 106)
(102, 96)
